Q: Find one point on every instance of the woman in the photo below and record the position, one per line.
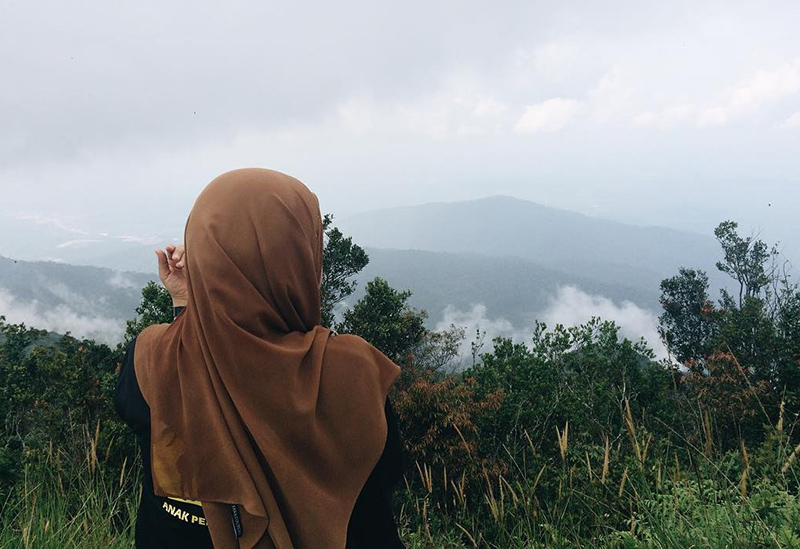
(258, 427)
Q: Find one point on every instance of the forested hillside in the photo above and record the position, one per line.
(577, 437)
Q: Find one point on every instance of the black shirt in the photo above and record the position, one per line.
(164, 522)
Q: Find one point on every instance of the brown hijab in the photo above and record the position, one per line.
(252, 402)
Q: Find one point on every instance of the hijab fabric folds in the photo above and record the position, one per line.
(252, 402)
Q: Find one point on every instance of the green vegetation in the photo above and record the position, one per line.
(578, 437)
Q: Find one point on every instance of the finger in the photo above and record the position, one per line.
(179, 256)
(170, 263)
(163, 265)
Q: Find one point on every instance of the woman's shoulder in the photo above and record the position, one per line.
(356, 350)
(353, 346)
(154, 330)
(147, 343)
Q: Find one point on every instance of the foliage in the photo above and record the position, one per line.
(435, 356)
(341, 261)
(736, 400)
(705, 514)
(49, 390)
(581, 374)
(154, 308)
(384, 318)
(746, 260)
(743, 352)
(687, 323)
(440, 425)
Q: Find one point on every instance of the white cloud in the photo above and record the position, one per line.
(754, 94)
(477, 319)
(664, 119)
(52, 259)
(119, 280)
(750, 97)
(138, 239)
(65, 223)
(792, 122)
(572, 307)
(71, 299)
(79, 243)
(386, 124)
(486, 107)
(613, 94)
(548, 116)
(768, 86)
(569, 307)
(60, 319)
(712, 117)
(356, 115)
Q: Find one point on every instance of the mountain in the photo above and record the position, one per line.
(88, 301)
(510, 287)
(604, 251)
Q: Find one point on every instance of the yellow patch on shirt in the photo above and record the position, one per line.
(189, 501)
(185, 516)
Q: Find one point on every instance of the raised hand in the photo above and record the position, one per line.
(171, 263)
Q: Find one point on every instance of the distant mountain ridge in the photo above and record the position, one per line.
(606, 251)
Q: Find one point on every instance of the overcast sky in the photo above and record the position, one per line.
(114, 115)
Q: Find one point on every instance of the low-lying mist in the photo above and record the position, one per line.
(61, 319)
(570, 306)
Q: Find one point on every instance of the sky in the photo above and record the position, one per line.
(114, 115)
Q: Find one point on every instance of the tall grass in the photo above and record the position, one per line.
(613, 495)
(60, 504)
(626, 493)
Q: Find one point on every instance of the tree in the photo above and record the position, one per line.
(750, 326)
(154, 308)
(341, 261)
(687, 324)
(384, 318)
(756, 331)
(746, 260)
